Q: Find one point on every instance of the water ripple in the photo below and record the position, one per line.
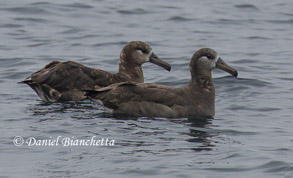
(246, 6)
(276, 166)
(27, 10)
(32, 19)
(133, 11)
(79, 5)
(180, 19)
(290, 21)
(11, 26)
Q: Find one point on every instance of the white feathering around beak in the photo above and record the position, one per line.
(148, 58)
(217, 58)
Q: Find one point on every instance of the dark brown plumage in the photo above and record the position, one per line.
(63, 81)
(197, 98)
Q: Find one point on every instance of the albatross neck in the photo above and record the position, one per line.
(202, 87)
(202, 79)
(130, 71)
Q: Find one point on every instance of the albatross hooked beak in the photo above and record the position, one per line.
(225, 67)
(156, 60)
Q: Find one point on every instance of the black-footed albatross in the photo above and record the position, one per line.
(197, 98)
(63, 81)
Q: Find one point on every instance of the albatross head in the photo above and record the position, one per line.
(207, 59)
(137, 52)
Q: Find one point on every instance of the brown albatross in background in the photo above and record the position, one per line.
(197, 98)
(63, 81)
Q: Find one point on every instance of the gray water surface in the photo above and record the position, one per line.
(251, 134)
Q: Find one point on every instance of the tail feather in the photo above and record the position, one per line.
(25, 82)
(91, 93)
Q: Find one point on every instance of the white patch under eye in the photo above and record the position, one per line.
(142, 57)
(139, 51)
(205, 58)
(207, 63)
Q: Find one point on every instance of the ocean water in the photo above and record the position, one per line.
(251, 134)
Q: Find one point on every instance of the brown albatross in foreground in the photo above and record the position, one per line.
(63, 81)
(197, 98)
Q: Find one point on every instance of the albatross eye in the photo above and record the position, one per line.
(143, 51)
(209, 56)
